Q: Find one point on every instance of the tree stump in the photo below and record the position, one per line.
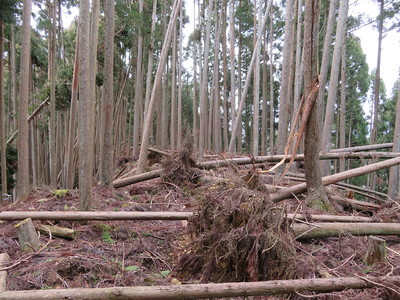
(27, 236)
(4, 258)
(376, 250)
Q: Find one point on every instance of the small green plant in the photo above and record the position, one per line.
(165, 273)
(61, 193)
(132, 268)
(146, 234)
(107, 237)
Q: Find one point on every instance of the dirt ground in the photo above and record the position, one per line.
(133, 253)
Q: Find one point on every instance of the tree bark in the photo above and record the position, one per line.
(106, 147)
(23, 128)
(27, 236)
(201, 291)
(66, 233)
(85, 141)
(3, 155)
(157, 82)
(300, 188)
(342, 129)
(376, 250)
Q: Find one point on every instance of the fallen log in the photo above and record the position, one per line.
(364, 148)
(129, 215)
(66, 233)
(210, 290)
(299, 157)
(4, 258)
(136, 178)
(356, 204)
(302, 187)
(92, 215)
(324, 230)
(329, 218)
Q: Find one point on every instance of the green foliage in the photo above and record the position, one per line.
(106, 237)
(12, 163)
(61, 193)
(8, 9)
(132, 268)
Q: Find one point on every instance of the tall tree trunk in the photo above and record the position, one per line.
(137, 126)
(13, 75)
(180, 61)
(52, 79)
(374, 133)
(23, 128)
(85, 140)
(326, 53)
(271, 88)
(315, 187)
(157, 82)
(243, 95)
(203, 84)
(173, 120)
(326, 142)
(342, 133)
(3, 156)
(393, 189)
(284, 103)
(225, 77)
(70, 149)
(106, 147)
(264, 88)
(256, 92)
(232, 66)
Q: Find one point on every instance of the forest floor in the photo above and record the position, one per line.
(133, 253)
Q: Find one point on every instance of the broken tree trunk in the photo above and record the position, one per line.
(364, 148)
(93, 215)
(324, 230)
(210, 290)
(63, 232)
(4, 258)
(27, 236)
(300, 188)
(376, 250)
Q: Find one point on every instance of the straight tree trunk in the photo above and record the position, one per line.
(271, 88)
(326, 53)
(284, 103)
(173, 119)
(52, 80)
(311, 139)
(13, 75)
(3, 155)
(106, 148)
(203, 84)
(342, 113)
(374, 133)
(23, 128)
(157, 82)
(232, 66)
(256, 92)
(225, 77)
(334, 81)
(393, 189)
(137, 126)
(85, 141)
(180, 66)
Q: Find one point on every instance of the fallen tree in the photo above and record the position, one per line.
(129, 215)
(300, 188)
(364, 148)
(92, 215)
(355, 204)
(136, 178)
(324, 230)
(211, 290)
